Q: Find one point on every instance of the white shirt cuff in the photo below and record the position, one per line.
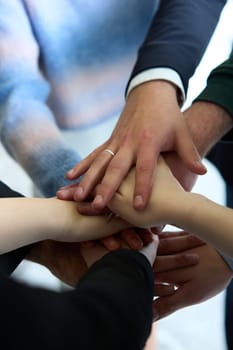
(159, 74)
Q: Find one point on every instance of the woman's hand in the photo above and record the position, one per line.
(167, 199)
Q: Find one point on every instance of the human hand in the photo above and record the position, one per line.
(135, 238)
(65, 261)
(208, 276)
(150, 123)
(97, 251)
(62, 259)
(166, 202)
(64, 223)
(185, 177)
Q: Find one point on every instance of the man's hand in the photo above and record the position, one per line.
(196, 282)
(150, 123)
(63, 260)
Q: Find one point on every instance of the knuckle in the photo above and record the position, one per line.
(148, 136)
(145, 166)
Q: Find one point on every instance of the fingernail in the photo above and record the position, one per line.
(70, 172)
(63, 193)
(138, 201)
(98, 201)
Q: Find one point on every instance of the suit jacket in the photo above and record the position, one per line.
(111, 307)
(178, 36)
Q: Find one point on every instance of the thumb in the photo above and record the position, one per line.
(150, 250)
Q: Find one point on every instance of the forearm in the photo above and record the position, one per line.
(30, 135)
(208, 123)
(210, 221)
(28, 220)
(28, 129)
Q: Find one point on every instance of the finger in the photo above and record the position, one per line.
(174, 262)
(132, 239)
(67, 192)
(164, 289)
(178, 244)
(81, 167)
(145, 235)
(93, 176)
(73, 185)
(188, 151)
(111, 243)
(116, 171)
(145, 167)
(172, 234)
(176, 276)
(86, 208)
(166, 305)
(157, 230)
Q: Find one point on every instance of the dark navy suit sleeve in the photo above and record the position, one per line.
(178, 36)
(111, 308)
(9, 261)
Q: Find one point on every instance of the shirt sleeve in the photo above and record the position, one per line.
(111, 308)
(178, 36)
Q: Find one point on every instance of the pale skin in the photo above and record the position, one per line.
(57, 228)
(171, 204)
(38, 219)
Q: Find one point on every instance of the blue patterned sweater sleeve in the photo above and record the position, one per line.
(40, 149)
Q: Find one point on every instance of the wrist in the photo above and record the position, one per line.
(57, 219)
(178, 209)
(159, 74)
(163, 89)
(49, 218)
(186, 213)
(208, 123)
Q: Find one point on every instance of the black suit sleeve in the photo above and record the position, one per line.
(111, 308)
(9, 261)
(178, 36)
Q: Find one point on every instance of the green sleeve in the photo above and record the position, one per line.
(219, 88)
